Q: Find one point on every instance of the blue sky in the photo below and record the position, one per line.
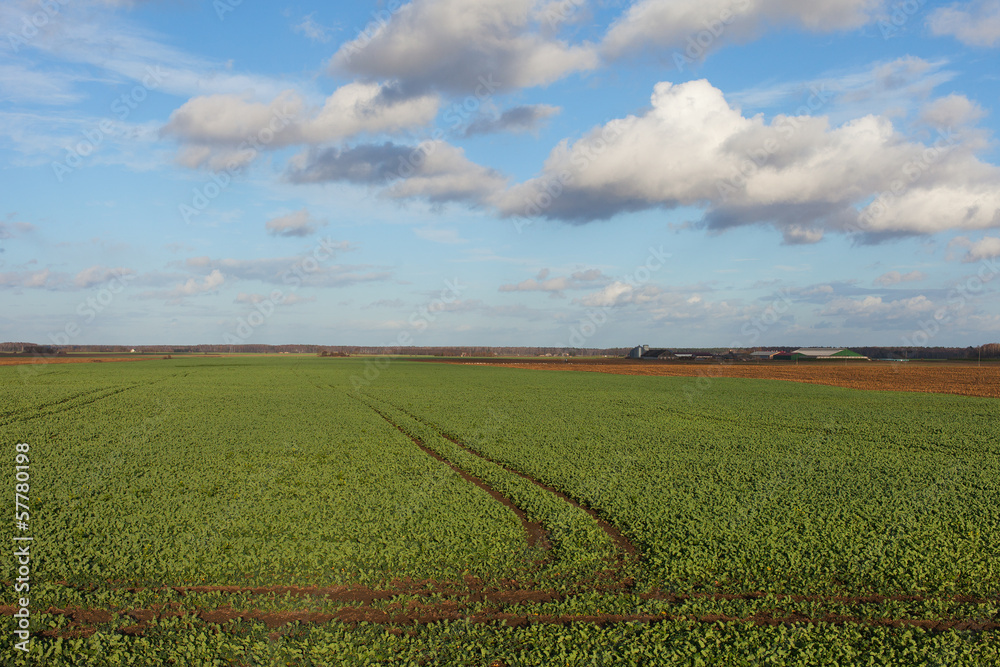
(586, 173)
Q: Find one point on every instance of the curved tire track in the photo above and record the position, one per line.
(616, 535)
(535, 533)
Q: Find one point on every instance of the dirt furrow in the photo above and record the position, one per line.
(86, 621)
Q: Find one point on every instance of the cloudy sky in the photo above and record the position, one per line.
(582, 173)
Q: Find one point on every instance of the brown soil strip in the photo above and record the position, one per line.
(20, 361)
(616, 535)
(84, 622)
(537, 537)
(966, 379)
(509, 591)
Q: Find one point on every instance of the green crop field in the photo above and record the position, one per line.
(307, 511)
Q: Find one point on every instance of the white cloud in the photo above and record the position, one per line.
(526, 118)
(192, 287)
(216, 130)
(455, 45)
(699, 26)
(434, 170)
(986, 248)
(799, 174)
(895, 277)
(974, 23)
(368, 107)
(300, 223)
(951, 111)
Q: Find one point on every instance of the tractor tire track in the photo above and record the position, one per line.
(63, 402)
(535, 533)
(612, 532)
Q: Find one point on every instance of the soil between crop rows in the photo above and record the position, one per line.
(84, 622)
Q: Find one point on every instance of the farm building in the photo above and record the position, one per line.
(822, 353)
(696, 355)
(766, 354)
(637, 352)
(646, 352)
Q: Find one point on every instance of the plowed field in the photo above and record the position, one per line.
(965, 379)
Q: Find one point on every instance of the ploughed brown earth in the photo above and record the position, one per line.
(14, 360)
(965, 378)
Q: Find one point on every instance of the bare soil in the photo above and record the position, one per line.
(963, 378)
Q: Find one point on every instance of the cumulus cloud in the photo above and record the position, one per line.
(517, 120)
(895, 277)
(694, 27)
(556, 285)
(797, 173)
(227, 131)
(211, 283)
(986, 248)
(951, 111)
(973, 23)
(452, 45)
(300, 223)
(434, 170)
